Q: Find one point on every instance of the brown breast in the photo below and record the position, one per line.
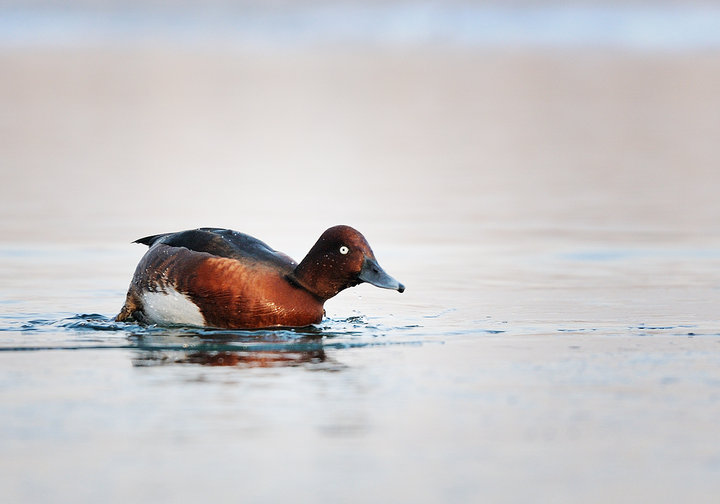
(234, 294)
(229, 293)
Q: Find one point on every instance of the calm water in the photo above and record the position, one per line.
(553, 215)
(501, 374)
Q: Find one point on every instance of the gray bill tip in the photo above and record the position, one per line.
(372, 273)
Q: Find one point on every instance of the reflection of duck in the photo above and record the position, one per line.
(223, 278)
(245, 359)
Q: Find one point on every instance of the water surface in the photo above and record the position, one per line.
(553, 214)
(559, 373)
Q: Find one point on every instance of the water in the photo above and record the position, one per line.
(553, 215)
(562, 374)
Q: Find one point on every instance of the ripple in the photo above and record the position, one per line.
(93, 331)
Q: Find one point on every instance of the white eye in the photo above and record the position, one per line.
(344, 250)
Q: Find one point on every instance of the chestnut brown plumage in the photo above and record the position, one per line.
(237, 281)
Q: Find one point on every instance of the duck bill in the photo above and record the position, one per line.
(372, 273)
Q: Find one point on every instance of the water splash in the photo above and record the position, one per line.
(96, 331)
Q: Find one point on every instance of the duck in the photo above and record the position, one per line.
(220, 278)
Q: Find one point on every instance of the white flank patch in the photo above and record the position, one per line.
(171, 308)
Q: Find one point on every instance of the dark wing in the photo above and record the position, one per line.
(221, 243)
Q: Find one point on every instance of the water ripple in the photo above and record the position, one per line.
(94, 331)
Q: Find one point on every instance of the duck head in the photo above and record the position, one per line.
(341, 258)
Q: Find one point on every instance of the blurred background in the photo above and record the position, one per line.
(412, 121)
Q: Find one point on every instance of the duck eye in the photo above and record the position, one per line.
(344, 250)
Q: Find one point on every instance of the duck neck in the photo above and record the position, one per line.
(309, 276)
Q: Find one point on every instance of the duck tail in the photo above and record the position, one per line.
(128, 310)
(150, 240)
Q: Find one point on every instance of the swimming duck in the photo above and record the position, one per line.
(222, 278)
